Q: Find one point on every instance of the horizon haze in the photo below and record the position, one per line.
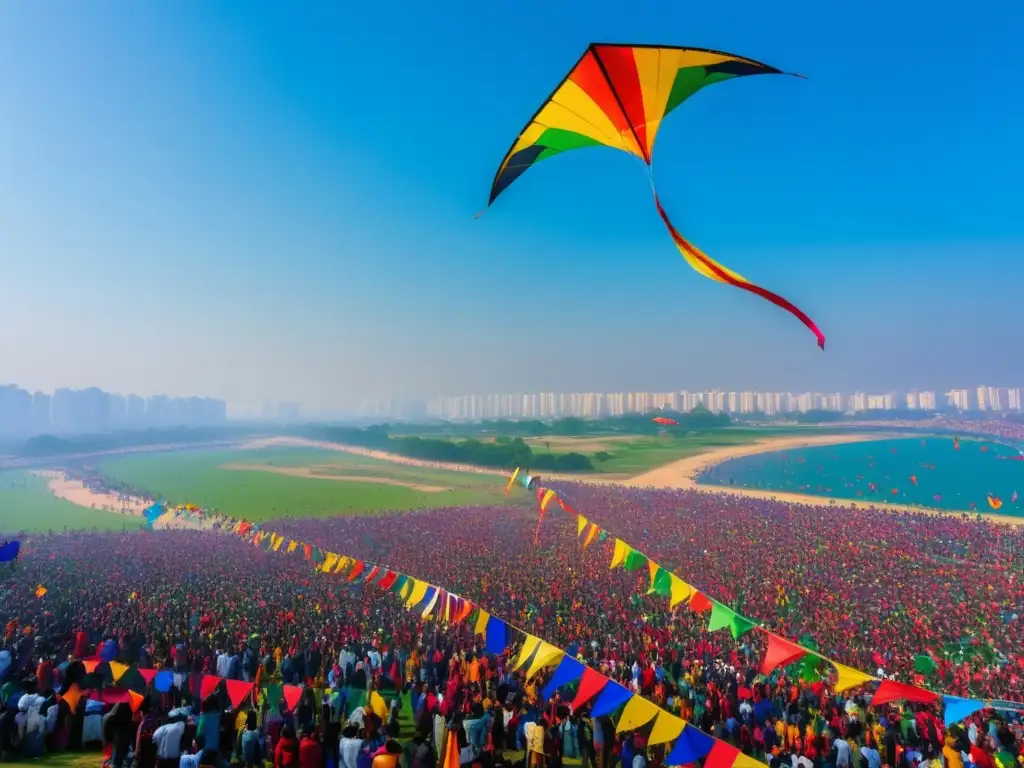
(264, 204)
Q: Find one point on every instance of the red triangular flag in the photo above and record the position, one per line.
(590, 685)
(780, 653)
(890, 690)
(147, 674)
(700, 602)
(135, 700)
(359, 568)
(722, 755)
(292, 694)
(237, 691)
(210, 683)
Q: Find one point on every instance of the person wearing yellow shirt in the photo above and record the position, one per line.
(951, 754)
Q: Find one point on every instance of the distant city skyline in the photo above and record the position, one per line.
(591, 405)
(92, 410)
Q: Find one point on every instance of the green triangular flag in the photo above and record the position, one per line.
(662, 583)
(274, 694)
(723, 617)
(399, 583)
(635, 561)
(924, 664)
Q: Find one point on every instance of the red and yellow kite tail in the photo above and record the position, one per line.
(710, 268)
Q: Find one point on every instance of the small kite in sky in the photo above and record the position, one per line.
(617, 95)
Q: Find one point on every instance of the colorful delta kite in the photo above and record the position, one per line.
(666, 421)
(617, 96)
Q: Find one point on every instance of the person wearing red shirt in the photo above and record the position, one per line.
(311, 754)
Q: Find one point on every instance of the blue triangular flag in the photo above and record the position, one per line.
(956, 709)
(569, 671)
(495, 634)
(163, 681)
(691, 745)
(427, 597)
(612, 697)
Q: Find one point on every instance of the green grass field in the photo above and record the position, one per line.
(631, 456)
(26, 504)
(259, 488)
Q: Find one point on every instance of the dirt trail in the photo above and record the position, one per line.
(312, 474)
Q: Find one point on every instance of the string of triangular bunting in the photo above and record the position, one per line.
(780, 651)
(609, 696)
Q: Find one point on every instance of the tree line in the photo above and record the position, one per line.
(502, 453)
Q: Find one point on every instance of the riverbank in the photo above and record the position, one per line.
(683, 475)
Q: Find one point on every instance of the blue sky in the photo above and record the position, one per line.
(258, 202)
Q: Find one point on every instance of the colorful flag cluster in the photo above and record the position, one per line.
(780, 651)
(535, 654)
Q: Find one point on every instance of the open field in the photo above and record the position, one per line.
(26, 504)
(623, 456)
(268, 483)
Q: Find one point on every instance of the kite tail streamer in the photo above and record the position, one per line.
(710, 268)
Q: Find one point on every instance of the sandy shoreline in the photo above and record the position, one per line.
(77, 493)
(679, 475)
(682, 474)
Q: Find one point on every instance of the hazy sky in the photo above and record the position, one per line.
(275, 200)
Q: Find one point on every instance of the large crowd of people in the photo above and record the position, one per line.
(869, 588)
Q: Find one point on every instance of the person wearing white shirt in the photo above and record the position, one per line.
(167, 739)
(872, 756)
(842, 753)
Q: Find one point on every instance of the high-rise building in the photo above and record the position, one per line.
(134, 411)
(15, 410)
(1013, 399)
(41, 422)
(959, 399)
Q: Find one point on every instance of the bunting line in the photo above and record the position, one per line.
(691, 743)
(781, 651)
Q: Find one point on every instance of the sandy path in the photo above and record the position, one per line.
(394, 458)
(310, 473)
(74, 491)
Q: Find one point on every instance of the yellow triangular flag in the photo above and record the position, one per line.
(328, 563)
(619, 555)
(653, 567)
(481, 623)
(638, 713)
(680, 591)
(581, 523)
(746, 761)
(548, 496)
(377, 705)
(666, 728)
(528, 648)
(546, 654)
(849, 677)
(343, 563)
(292, 545)
(279, 540)
(511, 480)
(117, 669)
(594, 530)
(430, 605)
(417, 594)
